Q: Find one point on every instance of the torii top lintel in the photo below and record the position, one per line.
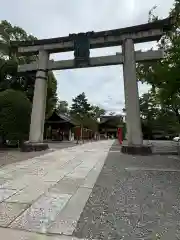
(140, 33)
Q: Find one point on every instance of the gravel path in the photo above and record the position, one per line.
(133, 198)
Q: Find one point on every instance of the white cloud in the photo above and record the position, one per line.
(46, 19)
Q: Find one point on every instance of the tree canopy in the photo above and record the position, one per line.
(97, 112)
(156, 119)
(86, 113)
(17, 90)
(163, 75)
(15, 112)
(80, 105)
(9, 77)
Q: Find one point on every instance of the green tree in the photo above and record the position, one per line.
(51, 99)
(9, 77)
(97, 112)
(82, 111)
(164, 75)
(80, 105)
(90, 123)
(148, 112)
(15, 111)
(86, 121)
(155, 117)
(149, 106)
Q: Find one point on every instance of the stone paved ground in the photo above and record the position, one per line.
(45, 195)
(164, 146)
(12, 156)
(9, 156)
(134, 198)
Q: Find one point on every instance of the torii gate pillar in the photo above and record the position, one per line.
(35, 142)
(133, 121)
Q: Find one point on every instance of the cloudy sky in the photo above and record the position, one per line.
(45, 19)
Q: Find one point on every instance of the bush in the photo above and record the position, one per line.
(15, 112)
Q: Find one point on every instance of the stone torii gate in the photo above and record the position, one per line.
(81, 44)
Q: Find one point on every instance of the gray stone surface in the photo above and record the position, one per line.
(66, 221)
(56, 187)
(12, 234)
(93, 175)
(163, 147)
(47, 193)
(26, 195)
(67, 186)
(6, 193)
(9, 211)
(8, 156)
(16, 184)
(135, 197)
(41, 213)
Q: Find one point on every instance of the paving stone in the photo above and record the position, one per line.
(41, 213)
(9, 211)
(12, 234)
(82, 170)
(93, 175)
(79, 174)
(32, 178)
(6, 193)
(26, 195)
(39, 171)
(57, 174)
(3, 181)
(6, 174)
(67, 186)
(39, 183)
(16, 184)
(66, 221)
(71, 165)
(50, 177)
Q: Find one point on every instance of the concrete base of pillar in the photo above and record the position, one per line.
(136, 149)
(33, 147)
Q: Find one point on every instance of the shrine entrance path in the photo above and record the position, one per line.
(43, 197)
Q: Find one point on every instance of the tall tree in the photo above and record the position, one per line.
(154, 117)
(80, 105)
(97, 112)
(164, 75)
(9, 77)
(149, 106)
(82, 111)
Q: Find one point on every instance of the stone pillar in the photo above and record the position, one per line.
(133, 121)
(134, 132)
(39, 106)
